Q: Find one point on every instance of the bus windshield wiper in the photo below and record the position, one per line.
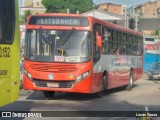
(69, 34)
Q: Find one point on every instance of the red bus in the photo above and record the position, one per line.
(74, 53)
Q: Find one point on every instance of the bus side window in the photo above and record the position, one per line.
(140, 46)
(122, 48)
(106, 36)
(96, 50)
(129, 44)
(134, 45)
(114, 42)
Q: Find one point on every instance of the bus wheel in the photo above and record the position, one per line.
(130, 82)
(48, 94)
(100, 93)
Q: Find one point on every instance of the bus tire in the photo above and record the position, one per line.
(104, 80)
(103, 87)
(130, 82)
(48, 94)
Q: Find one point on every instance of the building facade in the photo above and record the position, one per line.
(148, 9)
(144, 15)
(35, 6)
(113, 8)
(145, 10)
(107, 16)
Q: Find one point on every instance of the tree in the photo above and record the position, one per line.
(23, 18)
(132, 23)
(61, 6)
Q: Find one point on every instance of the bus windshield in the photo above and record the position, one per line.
(58, 45)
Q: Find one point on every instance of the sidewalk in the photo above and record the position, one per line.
(145, 76)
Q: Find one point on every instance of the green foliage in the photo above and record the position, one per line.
(26, 14)
(23, 18)
(61, 6)
(158, 32)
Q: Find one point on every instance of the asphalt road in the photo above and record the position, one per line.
(145, 96)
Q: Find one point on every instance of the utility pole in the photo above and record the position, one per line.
(125, 15)
(93, 9)
(67, 11)
(77, 11)
(126, 18)
(136, 21)
(127, 22)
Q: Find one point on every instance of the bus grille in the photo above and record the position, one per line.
(61, 84)
(53, 68)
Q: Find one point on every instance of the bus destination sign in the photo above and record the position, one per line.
(58, 21)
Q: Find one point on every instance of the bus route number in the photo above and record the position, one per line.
(4, 52)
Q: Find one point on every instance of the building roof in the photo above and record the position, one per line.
(110, 4)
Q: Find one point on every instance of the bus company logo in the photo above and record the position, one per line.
(51, 76)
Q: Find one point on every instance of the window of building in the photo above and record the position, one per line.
(37, 3)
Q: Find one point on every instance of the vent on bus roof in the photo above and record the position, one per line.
(53, 68)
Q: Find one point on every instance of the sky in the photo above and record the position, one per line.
(129, 3)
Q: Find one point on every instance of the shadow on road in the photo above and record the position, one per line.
(18, 106)
(38, 95)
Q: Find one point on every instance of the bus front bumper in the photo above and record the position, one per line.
(83, 86)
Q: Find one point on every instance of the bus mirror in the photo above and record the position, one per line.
(99, 41)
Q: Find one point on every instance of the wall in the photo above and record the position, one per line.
(112, 8)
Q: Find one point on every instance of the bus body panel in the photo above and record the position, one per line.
(9, 66)
(77, 87)
(87, 85)
(118, 69)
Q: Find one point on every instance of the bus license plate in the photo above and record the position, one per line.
(49, 84)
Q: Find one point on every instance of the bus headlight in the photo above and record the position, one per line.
(28, 74)
(82, 76)
(79, 78)
(85, 75)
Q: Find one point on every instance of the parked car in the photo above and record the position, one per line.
(154, 71)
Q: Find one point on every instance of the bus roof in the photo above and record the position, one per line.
(90, 18)
(115, 26)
